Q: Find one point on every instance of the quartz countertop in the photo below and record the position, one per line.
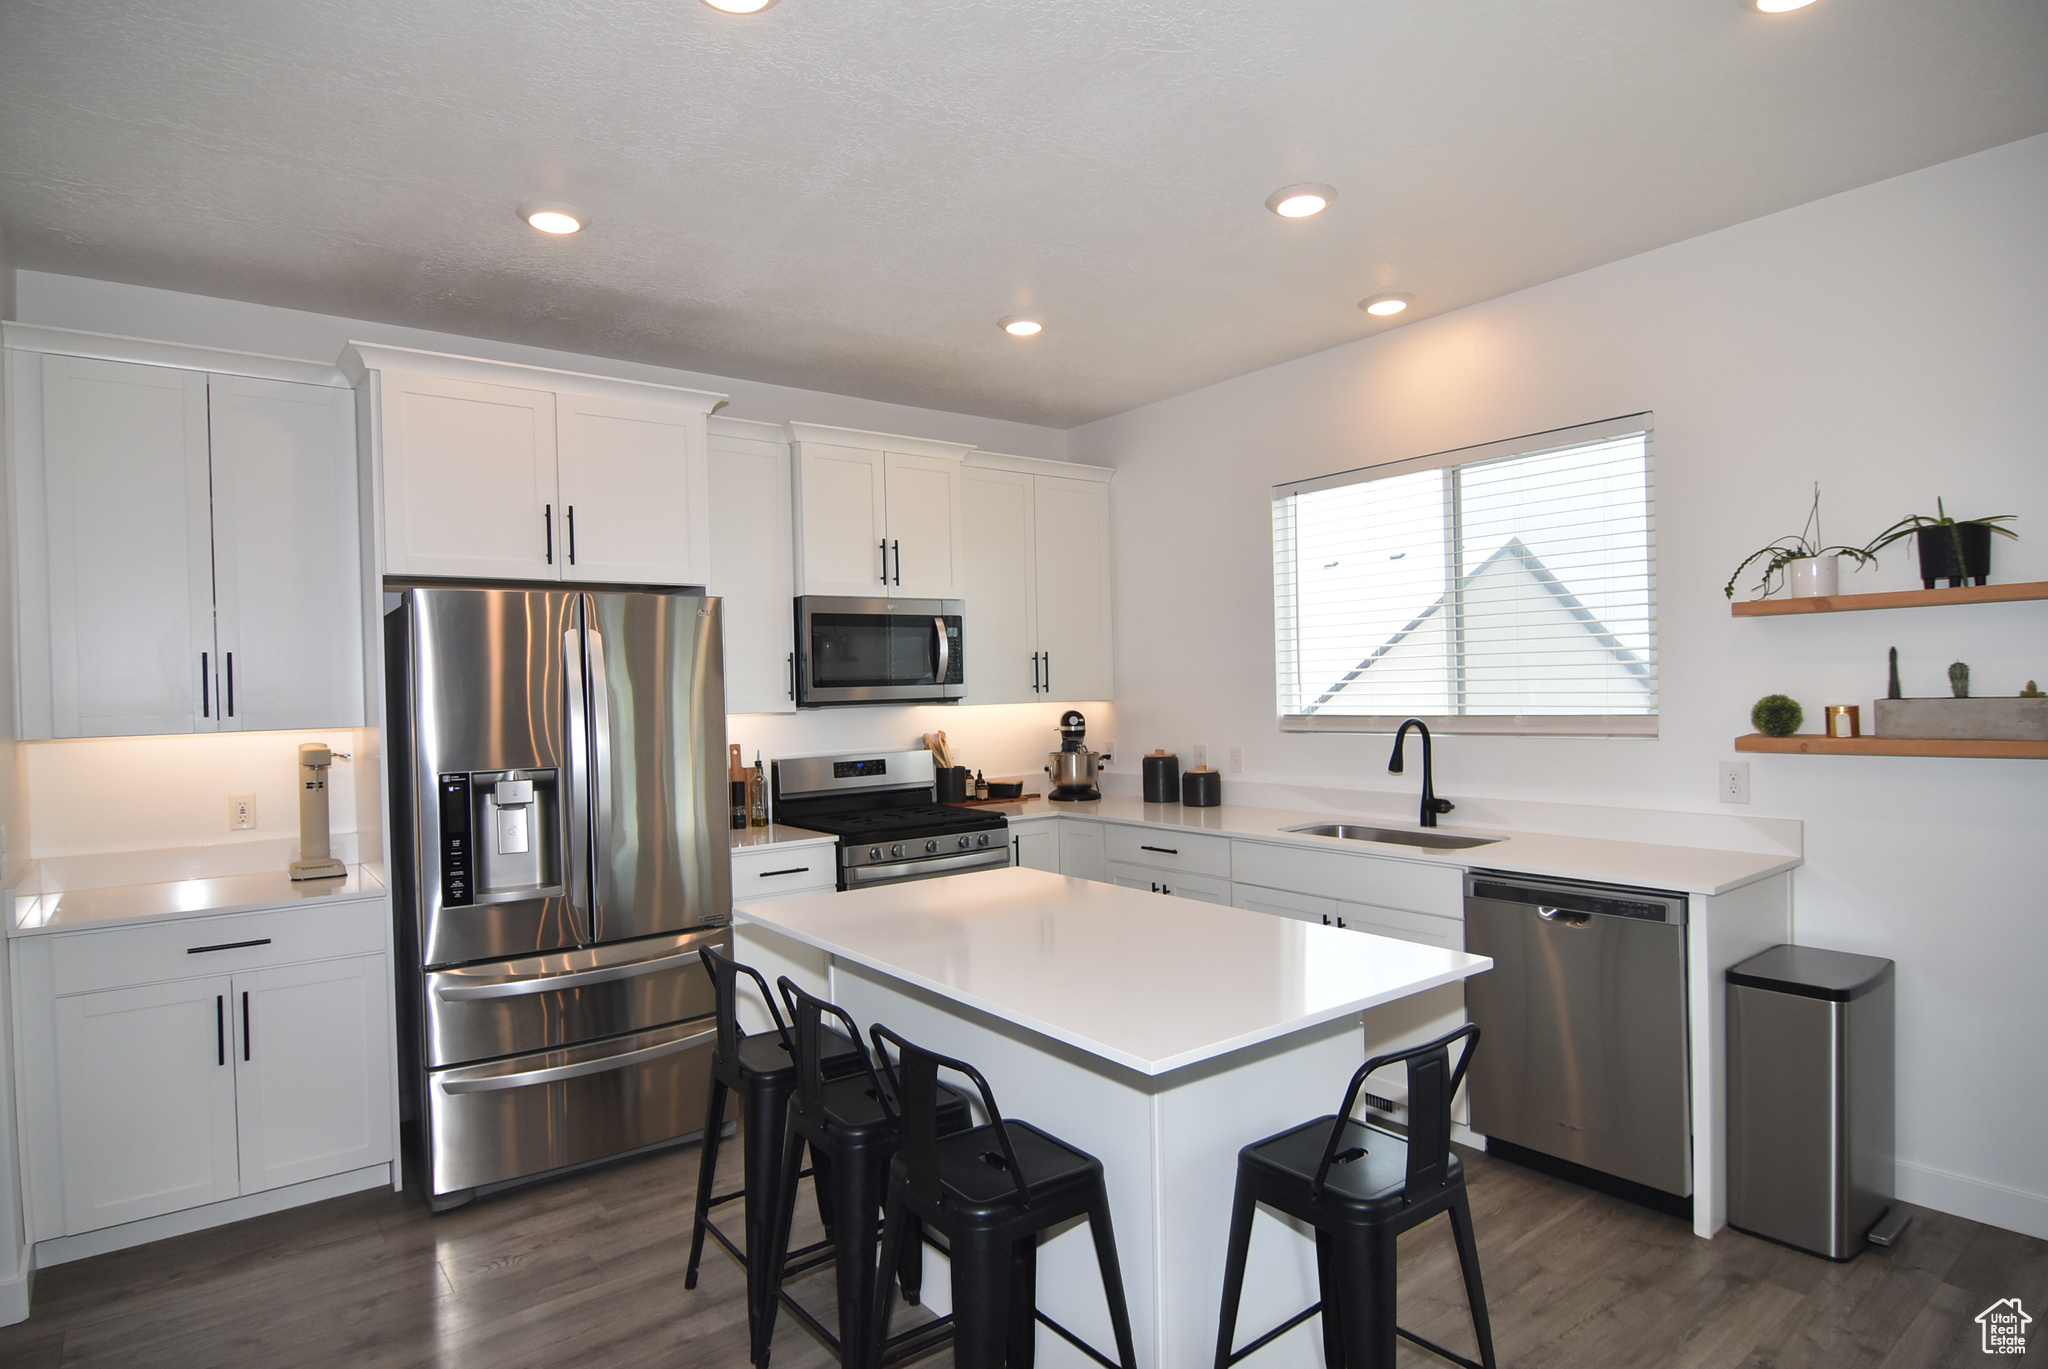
(775, 834)
(42, 910)
(1686, 869)
(1153, 984)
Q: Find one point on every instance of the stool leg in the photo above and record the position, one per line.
(981, 1301)
(1330, 1278)
(822, 1187)
(775, 1253)
(1023, 1337)
(1475, 1290)
(910, 1264)
(1112, 1275)
(707, 1174)
(860, 1178)
(1242, 1208)
(1366, 1296)
(767, 1115)
(895, 1219)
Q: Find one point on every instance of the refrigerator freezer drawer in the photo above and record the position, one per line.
(534, 1113)
(515, 1007)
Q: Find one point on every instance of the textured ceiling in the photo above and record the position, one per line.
(846, 194)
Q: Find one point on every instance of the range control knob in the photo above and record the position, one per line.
(981, 840)
(964, 843)
(895, 850)
(874, 853)
(932, 847)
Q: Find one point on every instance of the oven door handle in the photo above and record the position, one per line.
(527, 1078)
(993, 857)
(945, 652)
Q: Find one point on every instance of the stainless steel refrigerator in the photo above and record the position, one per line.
(560, 799)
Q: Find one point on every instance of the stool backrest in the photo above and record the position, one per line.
(807, 1023)
(725, 988)
(1432, 1082)
(917, 1089)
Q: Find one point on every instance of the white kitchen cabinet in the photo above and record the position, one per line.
(312, 1087)
(494, 471)
(752, 564)
(877, 516)
(188, 550)
(1177, 884)
(1081, 852)
(1284, 903)
(1035, 844)
(1036, 575)
(782, 869)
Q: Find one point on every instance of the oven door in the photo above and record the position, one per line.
(926, 867)
(853, 651)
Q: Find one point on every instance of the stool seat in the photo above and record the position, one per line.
(1368, 1175)
(765, 1056)
(974, 1177)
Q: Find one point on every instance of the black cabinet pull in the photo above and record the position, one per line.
(547, 523)
(572, 534)
(231, 684)
(897, 547)
(792, 674)
(205, 698)
(795, 870)
(227, 946)
(1155, 886)
(1162, 850)
(1048, 672)
(1034, 672)
(220, 1026)
(885, 560)
(245, 1024)
(1164, 890)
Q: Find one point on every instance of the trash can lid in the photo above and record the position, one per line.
(1812, 972)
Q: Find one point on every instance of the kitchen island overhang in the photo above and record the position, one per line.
(1159, 1034)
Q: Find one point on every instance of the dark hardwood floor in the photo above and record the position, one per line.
(588, 1271)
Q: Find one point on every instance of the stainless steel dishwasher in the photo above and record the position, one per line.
(1582, 1053)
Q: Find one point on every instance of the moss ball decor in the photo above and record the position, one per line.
(1775, 715)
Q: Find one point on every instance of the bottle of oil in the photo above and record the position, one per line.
(757, 795)
(980, 786)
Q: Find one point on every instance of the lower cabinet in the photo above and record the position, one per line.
(1036, 845)
(154, 1097)
(1081, 853)
(764, 873)
(1175, 883)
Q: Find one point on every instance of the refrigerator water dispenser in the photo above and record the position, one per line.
(502, 836)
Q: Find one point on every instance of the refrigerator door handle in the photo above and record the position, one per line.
(527, 1078)
(576, 802)
(552, 983)
(601, 771)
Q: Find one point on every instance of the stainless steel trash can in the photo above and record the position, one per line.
(1810, 1097)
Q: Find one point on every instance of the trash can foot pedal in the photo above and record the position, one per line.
(1891, 1226)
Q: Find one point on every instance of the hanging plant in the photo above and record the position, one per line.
(1783, 552)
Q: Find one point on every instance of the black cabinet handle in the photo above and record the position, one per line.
(245, 1024)
(795, 870)
(1016, 850)
(1048, 672)
(1164, 890)
(227, 946)
(231, 684)
(572, 534)
(1155, 886)
(547, 522)
(205, 698)
(885, 560)
(897, 547)
(792, 674)
(1162, 850)
(1034, 672)
(220, 1026)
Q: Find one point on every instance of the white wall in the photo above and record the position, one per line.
(1888, 342)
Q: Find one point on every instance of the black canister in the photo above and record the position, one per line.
(1162, 777)
(1202, 787)
(951, 783)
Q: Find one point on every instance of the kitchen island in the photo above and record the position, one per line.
(1158, 1034)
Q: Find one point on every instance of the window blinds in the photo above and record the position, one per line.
(1508, 588)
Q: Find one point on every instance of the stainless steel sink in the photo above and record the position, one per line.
(1439, 841)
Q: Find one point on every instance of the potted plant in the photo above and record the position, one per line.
(1951, 549)
(1810, 568)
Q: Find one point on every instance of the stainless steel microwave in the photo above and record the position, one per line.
(872, 651)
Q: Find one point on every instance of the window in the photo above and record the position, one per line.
(1508, 588)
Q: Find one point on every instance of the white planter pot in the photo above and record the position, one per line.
(1812, 576)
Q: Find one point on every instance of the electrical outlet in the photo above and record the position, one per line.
(1237, 760)
(241, 812)
(1201, 756)
(1735, 781)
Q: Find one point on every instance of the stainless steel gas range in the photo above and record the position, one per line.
(879, 805)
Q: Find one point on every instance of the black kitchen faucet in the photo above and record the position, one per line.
(1431, 804)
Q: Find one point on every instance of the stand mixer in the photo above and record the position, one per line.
(1073, 767)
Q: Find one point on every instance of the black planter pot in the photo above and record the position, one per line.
(1939, 559)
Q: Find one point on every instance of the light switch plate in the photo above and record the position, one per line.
(1735, 781)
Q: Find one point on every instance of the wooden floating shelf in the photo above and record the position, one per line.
(1799, 744)
(1905, 598)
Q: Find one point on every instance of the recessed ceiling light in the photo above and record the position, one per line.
(739, 6)
(1300, 201)
(1021, 325)
(1384, 306)
(553, 218)
(1775, 6)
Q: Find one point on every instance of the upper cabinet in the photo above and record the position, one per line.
(1036, 580)
(186, 547)
(877, 516)
(500, 472)
(752, 566)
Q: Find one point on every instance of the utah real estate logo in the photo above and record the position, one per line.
(2005, 1327)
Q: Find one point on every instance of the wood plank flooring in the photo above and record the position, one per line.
(588, 1271)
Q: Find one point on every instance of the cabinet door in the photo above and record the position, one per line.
(287, 561)
(1035, 846)
(1304, 907)
(752, 570)
(635, 492)
(129, 551)
(996, 582)
(841, 515)
(1081, 850)
(923, 518)
(469, 479)
(145, 1101)
(312, 1070)
(1070, 528)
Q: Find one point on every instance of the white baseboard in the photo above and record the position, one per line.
(14, 1292)
(1991, 1204)
(64, 1249)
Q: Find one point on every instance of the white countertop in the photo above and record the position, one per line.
(1687, 869)
(41, 911)
(775, 834)
(1154, 984)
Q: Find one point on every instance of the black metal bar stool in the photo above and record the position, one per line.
(851, 1126)
(1360, 1187)
(762, 1071)
(989, 1191)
